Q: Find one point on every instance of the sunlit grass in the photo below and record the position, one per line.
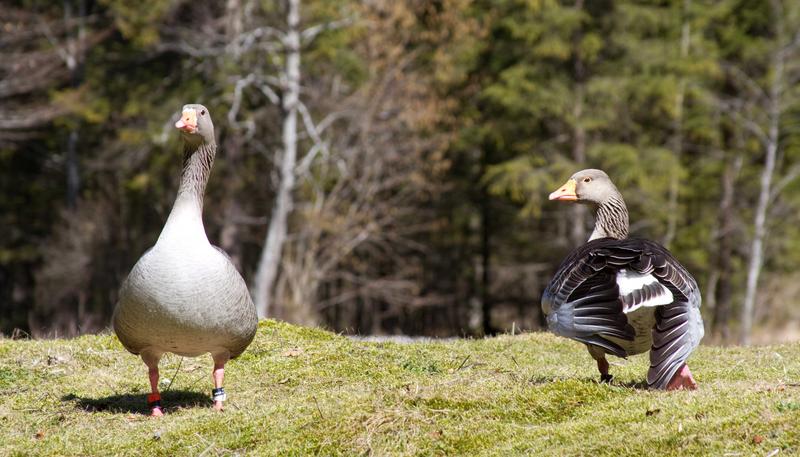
(299, 391)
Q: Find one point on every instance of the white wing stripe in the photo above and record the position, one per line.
(630, 282)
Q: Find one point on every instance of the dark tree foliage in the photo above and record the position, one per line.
(429, 134)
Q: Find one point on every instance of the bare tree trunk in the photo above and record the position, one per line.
(75, 311)
(677, 137)
(486, 253)
(767, 174)
(73, 58)
(722, 293)
(72, 169)
(579, 213)
(276, 235)
(229, 234)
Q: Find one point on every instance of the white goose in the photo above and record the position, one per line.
(184, 295)
(624, 296)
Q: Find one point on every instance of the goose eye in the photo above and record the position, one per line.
(587, 179)
(202, 112)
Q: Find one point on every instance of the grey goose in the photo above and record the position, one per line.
(184, 295)
(624, 296)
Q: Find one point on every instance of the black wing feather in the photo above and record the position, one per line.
(584, 301)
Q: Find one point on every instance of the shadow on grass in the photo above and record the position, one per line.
(137, 403)
(544, 380)
(637, 385)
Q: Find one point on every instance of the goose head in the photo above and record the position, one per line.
(195, 124)
(587, 186)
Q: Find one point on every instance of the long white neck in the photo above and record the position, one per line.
(185, 223)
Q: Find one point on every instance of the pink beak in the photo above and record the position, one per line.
(187, 122)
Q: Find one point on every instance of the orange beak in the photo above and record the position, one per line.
(566, 192)
(188, 121)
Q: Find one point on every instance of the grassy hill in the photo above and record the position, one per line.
(300, 391)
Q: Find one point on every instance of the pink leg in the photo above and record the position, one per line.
(602, 364)
(155, 396)
(682, 380)
(219, 374)
(154, 399)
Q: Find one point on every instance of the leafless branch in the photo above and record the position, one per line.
(247, 40)
(734, 111)
(312, 32)
(747, 81)
(193, 50)
(319, 144)
(241, 84)
(30, 118)
(273, 97)
(327, 121)
(787, 179)
(68, 59)
(305, 164)
(791, 46)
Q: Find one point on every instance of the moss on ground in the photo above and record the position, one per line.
(300, 391)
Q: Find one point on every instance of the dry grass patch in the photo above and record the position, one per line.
(300, 391)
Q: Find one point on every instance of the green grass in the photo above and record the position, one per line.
(299, 391)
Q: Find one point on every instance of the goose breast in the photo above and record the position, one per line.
(186, 301)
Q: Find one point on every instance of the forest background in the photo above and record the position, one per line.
(383, 166)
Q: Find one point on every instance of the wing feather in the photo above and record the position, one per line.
(587, 300)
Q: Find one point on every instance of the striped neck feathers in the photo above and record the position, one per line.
(184, 226)
(197, 162)
(611, 219)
